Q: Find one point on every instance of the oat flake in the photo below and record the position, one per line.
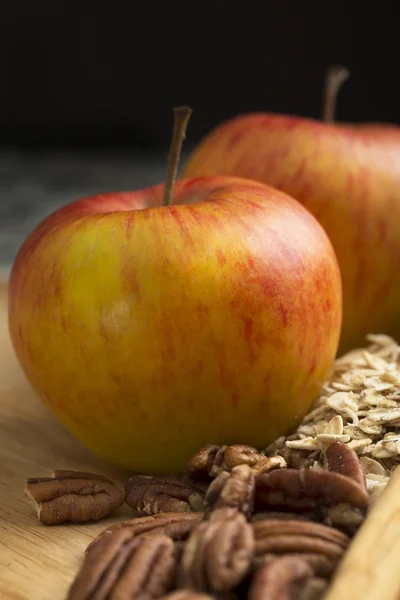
(360, 406)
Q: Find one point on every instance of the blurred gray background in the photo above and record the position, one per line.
(34, 184)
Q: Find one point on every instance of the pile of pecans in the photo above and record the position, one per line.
(242, 523)
(236, 525)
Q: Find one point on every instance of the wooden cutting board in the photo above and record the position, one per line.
(37, 562)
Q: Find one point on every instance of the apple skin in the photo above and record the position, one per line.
(150, 331)
(348, 177)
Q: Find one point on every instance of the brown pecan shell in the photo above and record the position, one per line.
(73, 496)
(125, 567)
(158, 494)
(218, 553)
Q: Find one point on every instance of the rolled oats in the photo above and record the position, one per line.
(369, 428)
(308, 443)
(360, 406)
(371, 466)
(328, 438)
(359, 445)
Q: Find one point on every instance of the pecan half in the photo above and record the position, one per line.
(281, 579)
(344, 460)
(177, 526)
(201, 463)
(286, 516)
(269, 464)
(320, 564)
(232, 490)
(125, 567)
(171, 493)
(299, 459)
(218, 553)
(310, 549)
(294, 542)
(212, 460)
(321, 546)
(241, 455)
(307, 489)
(179, 547)
(73, 496)
(273, 528)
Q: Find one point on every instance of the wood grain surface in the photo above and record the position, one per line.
(37, 562)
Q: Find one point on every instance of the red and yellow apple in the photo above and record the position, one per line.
(152, 330)
(348, 177)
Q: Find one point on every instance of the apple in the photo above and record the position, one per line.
(347, 176)
(152, 326)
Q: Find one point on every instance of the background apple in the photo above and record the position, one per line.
(347, 176)
(151, 330)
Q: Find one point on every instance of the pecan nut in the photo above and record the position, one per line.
(281, 579)
(307, 489)
(172, 493)
(126, 567)
(276, 527)
(286, 516)
(286, 544)
(344, 460)
(212, 460)
(218, 553)
(322, 556)
(73, 496)
(241, 455)
(269, 464)
(202, 462)
(321, 546)
(177, 526)
(232, 490)
(299, 459)
(321, 565)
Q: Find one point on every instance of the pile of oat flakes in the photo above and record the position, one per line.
(359, 406)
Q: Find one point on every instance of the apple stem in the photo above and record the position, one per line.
(336, 75)
(182, 115)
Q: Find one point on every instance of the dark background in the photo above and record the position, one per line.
(87, 89)
(85, 75)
